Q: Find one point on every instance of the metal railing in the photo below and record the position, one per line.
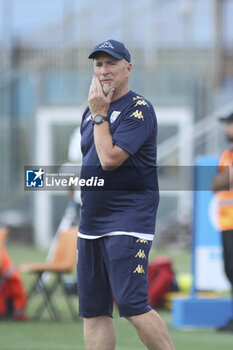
(206, 137)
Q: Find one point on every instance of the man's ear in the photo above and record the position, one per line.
(129, 68)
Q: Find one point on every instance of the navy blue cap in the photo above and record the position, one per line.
(114, 48)
(228, 118)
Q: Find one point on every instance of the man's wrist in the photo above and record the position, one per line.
(103, 114)
(99, 119)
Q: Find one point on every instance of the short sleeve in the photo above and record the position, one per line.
(135, 127)
(83, 119)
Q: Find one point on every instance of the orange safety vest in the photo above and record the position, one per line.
(225, 198)
(11, 287)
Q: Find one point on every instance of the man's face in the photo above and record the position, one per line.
(228, 131)
(111, 72)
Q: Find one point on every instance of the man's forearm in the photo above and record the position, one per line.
(103, 144)
(111, 156)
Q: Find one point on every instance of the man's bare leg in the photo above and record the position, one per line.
(152, 331)
(99, 333)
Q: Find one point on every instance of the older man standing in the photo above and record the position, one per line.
(119, 131)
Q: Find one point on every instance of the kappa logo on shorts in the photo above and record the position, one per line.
(139, 269)
(141, 254)
(139, 240)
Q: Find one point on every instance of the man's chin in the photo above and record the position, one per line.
(106, 89)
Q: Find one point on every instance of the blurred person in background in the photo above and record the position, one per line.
(223, 186)
(13, 298)
(118, 142)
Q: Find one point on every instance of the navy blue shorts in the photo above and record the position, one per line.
(113, 266)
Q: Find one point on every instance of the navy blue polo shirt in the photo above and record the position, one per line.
(128, 201)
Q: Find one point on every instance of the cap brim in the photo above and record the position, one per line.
(113, 54)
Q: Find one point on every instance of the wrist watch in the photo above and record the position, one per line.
(98, 119)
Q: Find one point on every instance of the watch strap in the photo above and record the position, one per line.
(98, 119)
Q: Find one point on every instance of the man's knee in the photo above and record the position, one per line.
(128, 308)
(138, 321)
(133, 320)
(96, 318)
(95, 322)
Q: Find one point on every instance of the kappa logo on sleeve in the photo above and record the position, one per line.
(137, 98)
(89, 118)
(141, 103)
(137, 114)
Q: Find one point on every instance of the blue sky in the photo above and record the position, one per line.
(29, 15)
(118, 19)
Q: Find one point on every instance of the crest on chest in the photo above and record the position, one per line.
(114, 116)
